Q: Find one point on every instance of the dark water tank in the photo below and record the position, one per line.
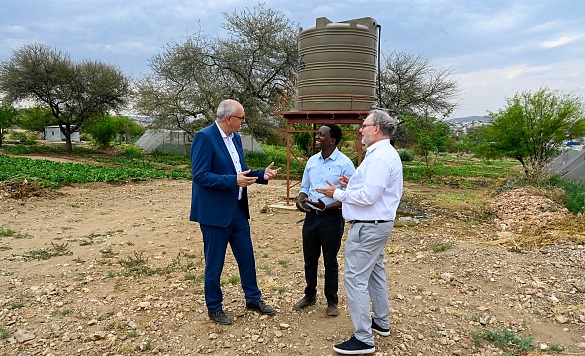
(337, 65)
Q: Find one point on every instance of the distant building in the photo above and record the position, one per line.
(462, 125)
(53, 133)
(178, 141)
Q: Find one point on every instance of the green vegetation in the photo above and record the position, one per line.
(16, 305)
(56, 174)
(504, 339)
(532, 127)
(441, 246)
(61, 312)
(6, 232)
(235, 279)
(4, 334)
(574, 192)
(45, 254)
(132, 164)
(276, 154)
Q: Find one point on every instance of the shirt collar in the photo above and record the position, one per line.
(333, 154)
(223, 135)
(380, 143)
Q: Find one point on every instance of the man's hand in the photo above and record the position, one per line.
(243, 180)
(343, 180)
(328, 192)
(270, 173)
(320, 204)
(302, 203)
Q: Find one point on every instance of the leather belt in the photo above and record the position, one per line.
(324, 212)
(369, 221)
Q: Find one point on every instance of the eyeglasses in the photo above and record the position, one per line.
(242, 118)
(366, 125)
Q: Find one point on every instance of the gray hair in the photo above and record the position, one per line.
(388, 122)
(226, 108)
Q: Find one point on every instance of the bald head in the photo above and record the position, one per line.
(228, 107)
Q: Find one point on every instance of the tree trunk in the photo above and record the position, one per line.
(66, 130)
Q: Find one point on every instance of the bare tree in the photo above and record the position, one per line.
(73, 91)
(412, 86)
(255, 64)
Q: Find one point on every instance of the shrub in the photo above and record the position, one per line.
(406, 155)
(103, 132)
(132, 151)
(574, 192)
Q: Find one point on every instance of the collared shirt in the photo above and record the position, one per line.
(374, 191)
(229, 143)
(318, 170)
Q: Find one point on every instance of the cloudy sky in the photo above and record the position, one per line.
(495, 48)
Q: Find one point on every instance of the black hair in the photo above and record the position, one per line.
(334, 132)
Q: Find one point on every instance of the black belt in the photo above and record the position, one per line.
(369, 221)
(325, 212)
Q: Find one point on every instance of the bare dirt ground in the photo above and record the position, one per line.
(124, 269)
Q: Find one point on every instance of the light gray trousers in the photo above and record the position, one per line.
(365, 277)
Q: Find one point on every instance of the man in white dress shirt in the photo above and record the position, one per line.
(370, 201)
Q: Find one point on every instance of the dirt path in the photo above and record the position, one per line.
(125, 268)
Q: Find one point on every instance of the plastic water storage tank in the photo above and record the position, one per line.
(337, 65)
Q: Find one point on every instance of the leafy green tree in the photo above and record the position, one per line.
(8, 116)
(254, 64)
(532, 127)
(127, 129)
(432, 137)
(73, 91)
(103, 130)
(35, 119)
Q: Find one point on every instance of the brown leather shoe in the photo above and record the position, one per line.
(332, 310)
(303, 303)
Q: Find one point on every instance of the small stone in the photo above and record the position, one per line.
(284, 326)
(23, 336)
(144, 305)
(447, 277)
(561, 319)
(100, 335)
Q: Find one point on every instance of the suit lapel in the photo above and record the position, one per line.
(223, 147)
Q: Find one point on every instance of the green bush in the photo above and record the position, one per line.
(574, 192)
(276, 154)
(132, 151)
(406, 155)
(103, 132)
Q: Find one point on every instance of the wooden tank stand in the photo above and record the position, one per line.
(316, 118)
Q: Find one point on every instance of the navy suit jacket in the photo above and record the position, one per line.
(214, 195)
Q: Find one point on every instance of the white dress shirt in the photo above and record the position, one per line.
(229, 143)
(375, 189)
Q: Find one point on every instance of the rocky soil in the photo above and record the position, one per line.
(117, 269)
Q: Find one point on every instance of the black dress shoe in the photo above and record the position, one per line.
(261, 308)
(219, 317)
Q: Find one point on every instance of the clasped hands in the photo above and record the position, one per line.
(243, 180)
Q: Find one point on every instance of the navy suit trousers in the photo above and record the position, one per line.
(215, 241)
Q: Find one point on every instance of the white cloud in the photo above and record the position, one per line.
(561, 41)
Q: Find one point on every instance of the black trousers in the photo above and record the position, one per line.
(322, 233)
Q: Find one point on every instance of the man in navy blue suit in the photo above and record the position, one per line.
(219, 203)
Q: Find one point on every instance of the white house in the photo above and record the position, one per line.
(53, 133)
